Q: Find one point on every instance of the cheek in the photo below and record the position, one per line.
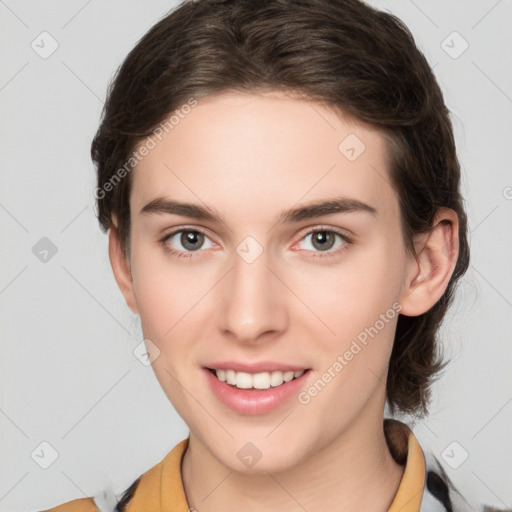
(164, 291)
(352, 295)
(358, 302)
(361, 310)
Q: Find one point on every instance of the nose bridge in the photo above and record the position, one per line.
(253, 303)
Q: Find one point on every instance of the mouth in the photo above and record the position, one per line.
(256, 381)
(256, 388)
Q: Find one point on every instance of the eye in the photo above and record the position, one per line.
(190, 240)
(185, 242)
(325, 240)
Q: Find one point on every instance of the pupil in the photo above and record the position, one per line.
(191, 240)
(323, 238)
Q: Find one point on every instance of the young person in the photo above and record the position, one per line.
(280, 186)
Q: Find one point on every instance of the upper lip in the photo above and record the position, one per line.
(256, 367)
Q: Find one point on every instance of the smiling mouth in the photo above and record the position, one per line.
(256, 381)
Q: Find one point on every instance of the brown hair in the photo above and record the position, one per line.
(341, 53)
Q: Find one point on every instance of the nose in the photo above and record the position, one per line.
(252, 302)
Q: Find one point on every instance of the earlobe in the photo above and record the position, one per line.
(121, 269)
(431, 270)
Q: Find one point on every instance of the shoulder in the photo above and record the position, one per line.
(144, 493)
(80, 505)
(90, 504)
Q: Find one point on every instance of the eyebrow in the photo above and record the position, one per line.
(162, 205)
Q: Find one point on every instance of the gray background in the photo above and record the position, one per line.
(68, 376)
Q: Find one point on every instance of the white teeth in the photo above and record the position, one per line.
(276, 378)
(243, 380)
(261, 380)
(264, 380)
(231, 377)
(287, 376)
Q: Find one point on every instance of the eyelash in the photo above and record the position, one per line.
(317, 254)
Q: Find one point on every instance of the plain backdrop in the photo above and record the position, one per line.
(73, 395)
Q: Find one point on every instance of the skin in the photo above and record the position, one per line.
(249, 157)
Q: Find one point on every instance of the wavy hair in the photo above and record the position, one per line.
(342, 53)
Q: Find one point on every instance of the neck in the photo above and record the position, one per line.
(353, 472)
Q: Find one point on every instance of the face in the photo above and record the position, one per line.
(253, 280)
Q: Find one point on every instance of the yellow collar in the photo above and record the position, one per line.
(161, 488)
(410, 492)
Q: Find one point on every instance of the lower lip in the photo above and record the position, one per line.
(251, 401)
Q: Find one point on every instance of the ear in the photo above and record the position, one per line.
(430, 271)
(121, 268)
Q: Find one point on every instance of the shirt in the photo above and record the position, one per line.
(160, 489)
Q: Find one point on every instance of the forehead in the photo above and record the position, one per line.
(255, 154)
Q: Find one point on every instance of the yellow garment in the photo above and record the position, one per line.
(410, 492)
(161, 489)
